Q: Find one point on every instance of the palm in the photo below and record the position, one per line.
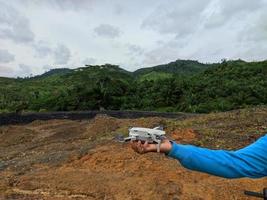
(165, 146)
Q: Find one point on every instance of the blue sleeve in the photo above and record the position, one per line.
(247, 162)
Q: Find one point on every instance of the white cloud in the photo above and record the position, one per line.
(107, 31)
(71, 33)
(14, 25)
(5, 56)
(62, 55)
(135, 49)
(228, 10)
(6, 71)
(89, 61)
(24, 70)
(68, 5)
(47, 67)
(176, 17)
(42, 48)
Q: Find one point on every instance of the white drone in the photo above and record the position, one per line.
(155, 135)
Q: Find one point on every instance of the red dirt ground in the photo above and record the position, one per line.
(62, 159)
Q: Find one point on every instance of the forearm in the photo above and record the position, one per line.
(228, 164)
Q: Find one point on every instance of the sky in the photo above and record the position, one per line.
(38, 35)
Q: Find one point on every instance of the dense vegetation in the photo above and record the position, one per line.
(183, 85)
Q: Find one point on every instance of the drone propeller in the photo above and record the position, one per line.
(121, 138)
(159, 128)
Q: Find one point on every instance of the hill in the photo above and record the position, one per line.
(57, 71)
(230, 85)
(176, 68)
(187, 86)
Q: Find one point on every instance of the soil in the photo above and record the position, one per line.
(65, 159)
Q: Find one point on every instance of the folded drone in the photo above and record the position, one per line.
(155, 135)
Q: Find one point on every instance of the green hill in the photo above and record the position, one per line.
(178, 67)
(91, 87)
(54, 72)
(230, 85)
(182, 85)
(154, 76)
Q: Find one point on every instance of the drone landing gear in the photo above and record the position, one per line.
(158, 146)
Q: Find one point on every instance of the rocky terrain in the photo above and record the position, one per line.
(66, 159)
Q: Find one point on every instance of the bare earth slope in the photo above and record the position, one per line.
(63, 159)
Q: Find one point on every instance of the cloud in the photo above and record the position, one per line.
(42, 48)
(47, 67)
(118, 9)
(72, 5)
(227, 11)
(24, 70)
(14, 25)
(175, 17)
(162, 54)
(256, 30)
(107, 31)
(6, 71)
(134, 49)
(230, 7)
(135, 33)
(89, 61)
(62, 55)
(186, 16)
(5, 56)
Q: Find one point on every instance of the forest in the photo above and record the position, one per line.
(179, 86)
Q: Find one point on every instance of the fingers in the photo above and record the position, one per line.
(134, 146)
(138, 147)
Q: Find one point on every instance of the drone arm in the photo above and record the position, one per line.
(127, 139)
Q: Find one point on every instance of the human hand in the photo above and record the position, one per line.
(138, 147)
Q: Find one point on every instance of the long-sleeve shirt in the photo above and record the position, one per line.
(250, 161)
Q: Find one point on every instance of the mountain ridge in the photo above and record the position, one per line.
(171, 88)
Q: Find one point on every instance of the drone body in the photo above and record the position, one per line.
(155, 135)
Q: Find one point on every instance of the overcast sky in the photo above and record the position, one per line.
(37, 35)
